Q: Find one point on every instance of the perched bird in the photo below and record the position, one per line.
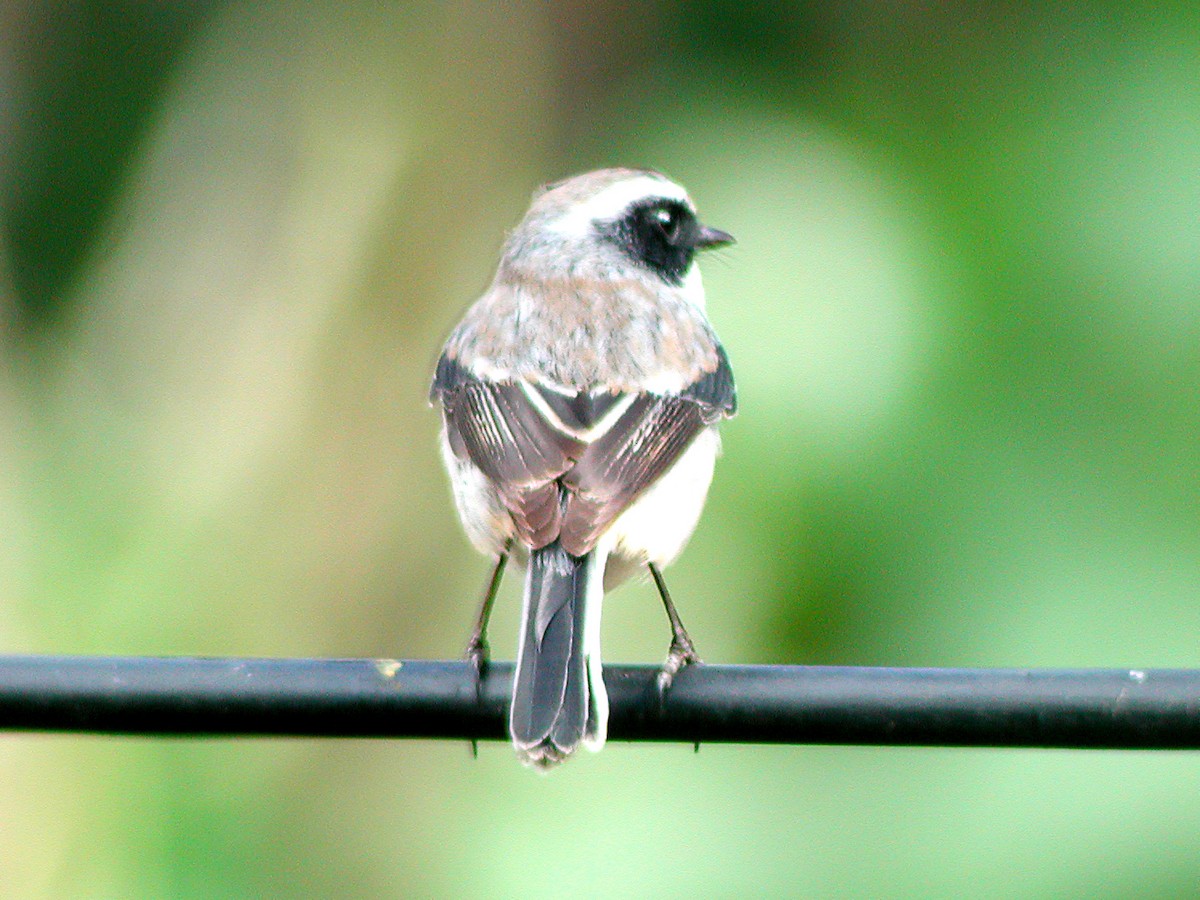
(580, 397)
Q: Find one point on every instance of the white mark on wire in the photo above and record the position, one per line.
(388, 667)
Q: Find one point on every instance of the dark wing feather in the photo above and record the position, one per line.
(494, 425)
(580, 411)
(715, 392)
(506, 437)
(448, 377)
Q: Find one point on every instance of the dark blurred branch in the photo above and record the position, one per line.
(1097, 708)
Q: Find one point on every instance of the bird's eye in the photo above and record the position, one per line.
(667, 221)
(660, 233)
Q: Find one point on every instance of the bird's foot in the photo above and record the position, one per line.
(478, 655)
(681, 654)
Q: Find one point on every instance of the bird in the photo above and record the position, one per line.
(580, 397)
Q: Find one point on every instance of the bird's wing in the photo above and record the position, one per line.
(637, 450)
(496, 427)
(566, 466)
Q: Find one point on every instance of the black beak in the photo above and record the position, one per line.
(708, 238)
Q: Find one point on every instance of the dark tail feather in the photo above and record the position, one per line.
(550, 689)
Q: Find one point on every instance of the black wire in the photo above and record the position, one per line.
(1097, 708)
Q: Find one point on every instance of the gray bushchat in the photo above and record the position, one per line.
(580, 397)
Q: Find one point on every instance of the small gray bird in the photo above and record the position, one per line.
(580, 397)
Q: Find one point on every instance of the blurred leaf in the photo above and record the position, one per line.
(91, 93)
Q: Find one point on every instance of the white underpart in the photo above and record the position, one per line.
(484, 518)
(614, 200)
(658, 524)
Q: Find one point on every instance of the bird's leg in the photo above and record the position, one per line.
(477, 647)
(683, 651)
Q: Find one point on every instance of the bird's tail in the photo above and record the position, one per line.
(558, 694)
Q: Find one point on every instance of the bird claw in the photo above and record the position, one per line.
(681, 655)
(478, 655)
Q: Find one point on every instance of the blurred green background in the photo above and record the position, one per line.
(964, 313)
